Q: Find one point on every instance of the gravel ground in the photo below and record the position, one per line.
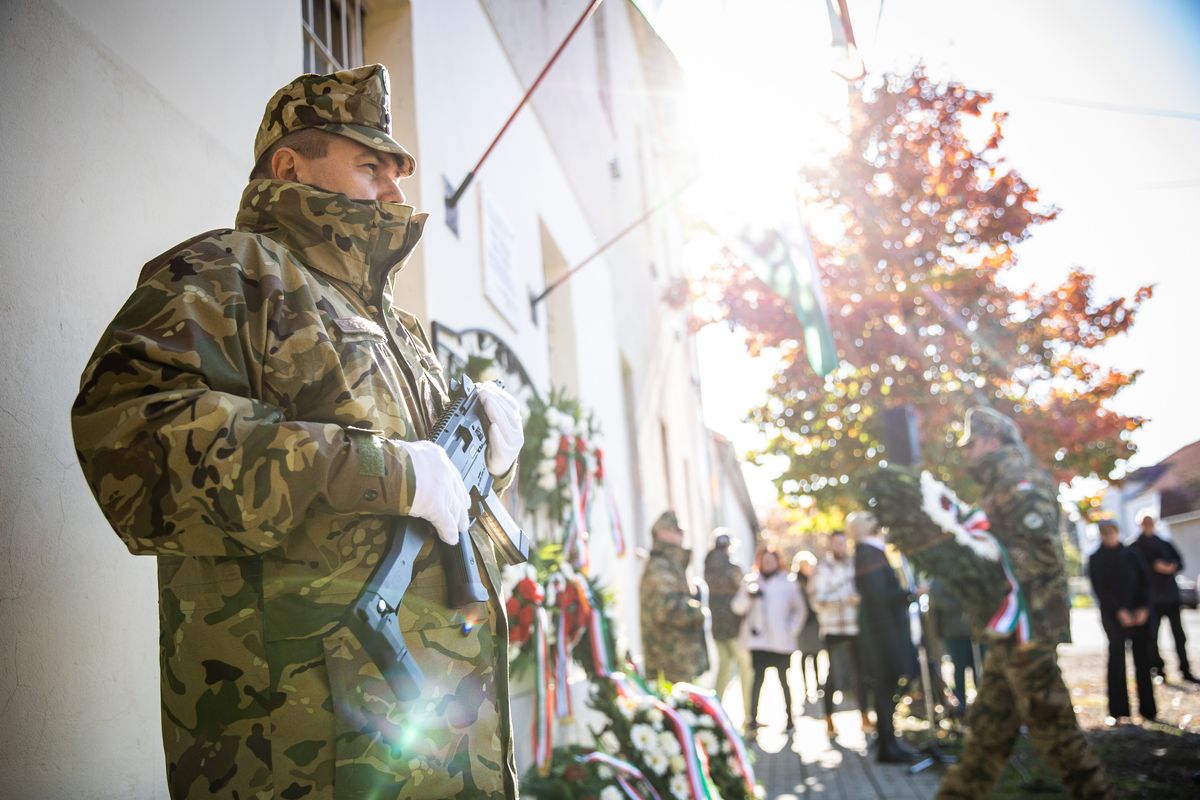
(1159, 760)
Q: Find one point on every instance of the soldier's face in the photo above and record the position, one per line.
(348, 167)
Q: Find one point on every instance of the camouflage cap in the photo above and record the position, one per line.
(352, 103)
(984, 421)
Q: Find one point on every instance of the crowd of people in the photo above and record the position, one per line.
(841, 628)
(833, 630)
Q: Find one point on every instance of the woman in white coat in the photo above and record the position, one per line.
(774, 615)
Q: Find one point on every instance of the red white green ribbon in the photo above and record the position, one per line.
(575, 548)
(543, 722)
(695, 766)
(707, 702)
(1012, 617)
(562, 650)
(625, 773)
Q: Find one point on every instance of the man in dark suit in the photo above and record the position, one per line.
(883, 629)
(1163, 561)
(1121, 583)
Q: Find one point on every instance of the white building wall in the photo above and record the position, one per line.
(125, 130)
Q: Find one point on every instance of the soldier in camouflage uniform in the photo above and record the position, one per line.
(1021, 683)
(253, 418)
(673, 618)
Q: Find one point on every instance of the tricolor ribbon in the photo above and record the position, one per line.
(543, 722)
(626, 773)
(695, 766)
(575, 548)
(610, 505)
(700, 782)
(1012, 617)
(707, 702)
(562, 652)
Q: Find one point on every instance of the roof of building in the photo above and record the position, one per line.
(1176, 479)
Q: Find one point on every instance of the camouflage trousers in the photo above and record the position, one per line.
(1022, 685)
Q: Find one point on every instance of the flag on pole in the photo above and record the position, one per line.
(783, 259)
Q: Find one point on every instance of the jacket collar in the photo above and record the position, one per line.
(676, 554)
(358, 242)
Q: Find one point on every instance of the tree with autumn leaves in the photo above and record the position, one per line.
(916, 223)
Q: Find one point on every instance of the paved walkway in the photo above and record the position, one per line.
(808, 765)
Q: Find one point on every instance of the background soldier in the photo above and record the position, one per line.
(1021, 682)
(673, 618)
(253, 417)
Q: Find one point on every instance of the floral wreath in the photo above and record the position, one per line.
(658, 743)
(562, 472)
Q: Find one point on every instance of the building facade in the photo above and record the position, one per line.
(129, 128)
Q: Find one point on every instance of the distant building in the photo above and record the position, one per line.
(1170, 491)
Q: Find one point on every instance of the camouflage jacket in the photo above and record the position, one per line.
(673, 620)
(1022, 507)
(724, 578)
(238, 421)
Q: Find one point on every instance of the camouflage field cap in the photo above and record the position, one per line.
(352, 103)
(984, 421)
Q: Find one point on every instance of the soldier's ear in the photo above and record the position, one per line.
(284, 166)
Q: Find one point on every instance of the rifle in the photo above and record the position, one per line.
(373, 617)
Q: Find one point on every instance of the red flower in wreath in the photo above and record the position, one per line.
(521, 609)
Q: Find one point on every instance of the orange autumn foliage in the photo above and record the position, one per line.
(925, 215)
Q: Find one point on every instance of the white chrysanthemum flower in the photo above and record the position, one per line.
(644, 738)
(655, 716)
(669, 743)
(657, 762)
(610, 742)
(611, 792)
(550, 448)
(677, 763)
(604, 773)
(709, 742)
(680, 788)
(626, 707)
(547, 482)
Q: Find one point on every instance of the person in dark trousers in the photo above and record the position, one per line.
(951, 623)
(883, 629)
(808, 643)
(1121, 583)
(1163, 561)
(774, 615)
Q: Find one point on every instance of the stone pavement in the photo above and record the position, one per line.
(808, 765)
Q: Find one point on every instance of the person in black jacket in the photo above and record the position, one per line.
(1121, 583)
(883, 629)
(1164, 562)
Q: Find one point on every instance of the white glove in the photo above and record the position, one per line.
(504, 434)
(440, 496)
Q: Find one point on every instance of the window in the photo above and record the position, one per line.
(332, 34)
